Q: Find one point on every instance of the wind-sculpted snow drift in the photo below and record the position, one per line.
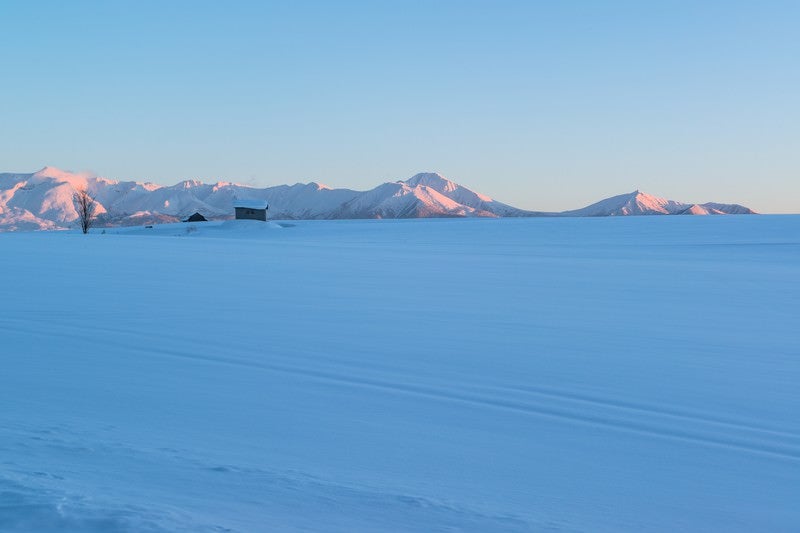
(43, 200)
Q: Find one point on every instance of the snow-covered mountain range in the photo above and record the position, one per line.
(639, 203)
(44, 200)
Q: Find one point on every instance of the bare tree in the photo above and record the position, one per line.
(85, 205)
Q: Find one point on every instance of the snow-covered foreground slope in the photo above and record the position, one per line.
(424, 375)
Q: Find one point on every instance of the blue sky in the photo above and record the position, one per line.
(544, 105)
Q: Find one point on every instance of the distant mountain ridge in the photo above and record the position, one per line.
(639, 203)
(43, 200)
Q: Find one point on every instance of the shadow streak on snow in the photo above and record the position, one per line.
(25, 509)
(293, 500)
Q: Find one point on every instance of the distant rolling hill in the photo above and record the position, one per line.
(43, 200)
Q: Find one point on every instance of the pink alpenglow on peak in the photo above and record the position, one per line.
(639, 203)
(77, 180)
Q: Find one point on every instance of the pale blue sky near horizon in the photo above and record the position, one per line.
(543, 105)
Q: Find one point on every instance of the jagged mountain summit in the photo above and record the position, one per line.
(43, 200)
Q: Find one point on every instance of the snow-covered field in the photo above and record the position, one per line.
(633, 373)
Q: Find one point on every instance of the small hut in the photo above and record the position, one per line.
(197, 217)
(251, 209)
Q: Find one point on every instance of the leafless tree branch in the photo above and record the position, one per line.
(85, 205)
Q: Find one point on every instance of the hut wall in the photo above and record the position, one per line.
(244, 213)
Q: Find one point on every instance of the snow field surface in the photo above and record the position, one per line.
(587, 374)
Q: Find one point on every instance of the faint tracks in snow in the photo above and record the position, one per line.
(561, 406)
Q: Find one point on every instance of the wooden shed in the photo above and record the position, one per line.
(251, 209)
